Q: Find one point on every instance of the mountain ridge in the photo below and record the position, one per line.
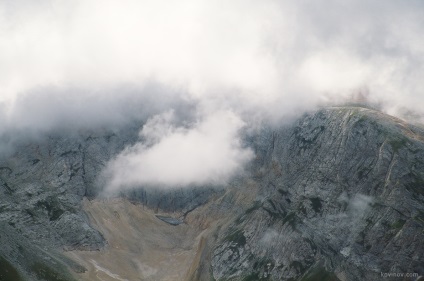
(338, 193)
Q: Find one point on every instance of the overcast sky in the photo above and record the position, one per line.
(97, 63)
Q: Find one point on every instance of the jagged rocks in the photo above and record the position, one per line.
(338, 194)
(340, 191)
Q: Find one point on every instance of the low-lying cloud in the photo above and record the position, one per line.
(89, 63)
(207, 152)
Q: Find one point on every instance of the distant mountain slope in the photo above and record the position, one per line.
(341, 196)
(337, 195)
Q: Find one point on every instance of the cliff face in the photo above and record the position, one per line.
(42, 185)
(339, 194)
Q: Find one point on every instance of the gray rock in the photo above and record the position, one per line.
(43, 182)
(339, 194)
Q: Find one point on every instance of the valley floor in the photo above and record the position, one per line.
(140, 246)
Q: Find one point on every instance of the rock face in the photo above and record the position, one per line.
(338, 195)
(42, 186)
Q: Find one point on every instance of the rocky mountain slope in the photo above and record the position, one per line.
(337, 195)
(340, 195)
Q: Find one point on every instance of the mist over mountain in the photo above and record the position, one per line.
(270, 140)
(67, 66)
(335, 195)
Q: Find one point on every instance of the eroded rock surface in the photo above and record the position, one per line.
(338, 195)
(341, 195)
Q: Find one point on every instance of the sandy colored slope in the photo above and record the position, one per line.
(140, 246)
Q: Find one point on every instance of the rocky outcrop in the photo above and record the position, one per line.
(43, 183)
(340, 197)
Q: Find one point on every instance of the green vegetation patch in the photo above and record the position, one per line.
(419, 217)
(298, 266)
(46, 273)
(53, 207)
(237, 237)
(256, 205)
(398, 224)
(8, 272)
(398, 143)
(416, 186)
(252, 277)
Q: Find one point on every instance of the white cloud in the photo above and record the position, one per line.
(260, 53)
(208, 152)
(92, 63)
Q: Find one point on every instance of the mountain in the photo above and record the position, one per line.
(336, 195)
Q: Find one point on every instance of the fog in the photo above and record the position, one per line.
(209, 152)
(72, 64)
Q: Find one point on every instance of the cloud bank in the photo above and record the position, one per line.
(206, 153)
(66, 65)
